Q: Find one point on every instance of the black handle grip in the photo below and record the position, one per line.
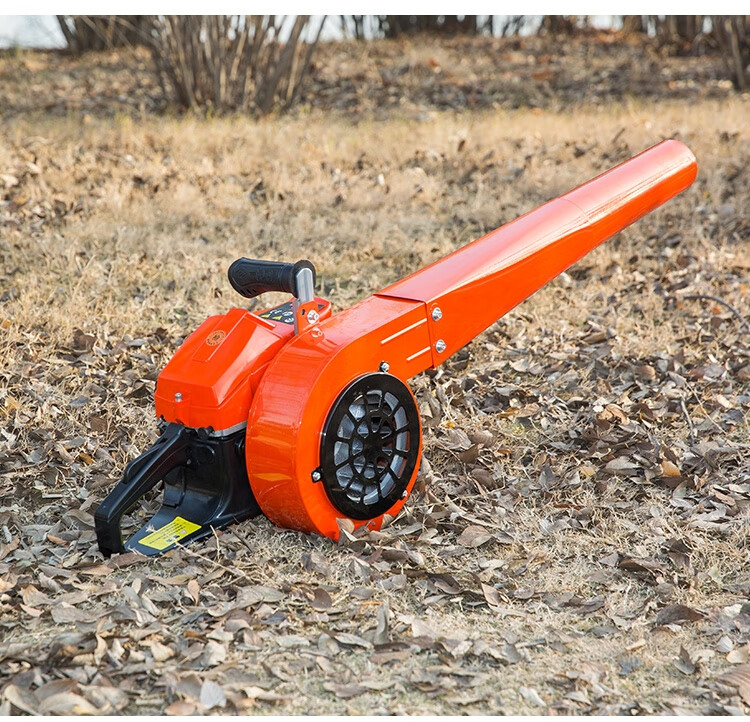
(251, 278)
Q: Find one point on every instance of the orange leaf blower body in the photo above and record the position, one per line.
(305, 416)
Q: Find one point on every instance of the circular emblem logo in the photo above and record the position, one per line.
(215, 338)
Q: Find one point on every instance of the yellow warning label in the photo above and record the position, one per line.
(170, 533)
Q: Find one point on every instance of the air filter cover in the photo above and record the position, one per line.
(370, 446)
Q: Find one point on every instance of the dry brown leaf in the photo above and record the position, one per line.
(739, 677)
(194, 590)
(345, 691)
(457, 440)
(98, 570)
(621, 464)
(669, 469)
(212, 695)
(63, 613)
(484, 477)
(474, 536)
(381, 635)
(100, 650)
(631, 564)
(161, 652)
(483, 437)
(57, 686)
(645, 372)
(677, 613)
(31, 611)
(181, 708)
(351, 640)
(470, 455)
(213, 654)
(258, 593)
(263, 694)
(321, 600)
(422, 629)
(105, 698)
(7, 583)
(531, 696)
(684, 662)
(316, 562)
(22, 698)
(491, 595)
(67, 703)
(346, 527)
(34, 598)
(741, 655)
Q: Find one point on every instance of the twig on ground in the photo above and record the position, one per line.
(691, 429)
(218, 546)
(214, 563)
(697, 296)
(243, 539)
(700, 403)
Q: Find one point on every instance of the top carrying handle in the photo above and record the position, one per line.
(250, 278)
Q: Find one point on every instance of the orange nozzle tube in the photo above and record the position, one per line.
(480, 282)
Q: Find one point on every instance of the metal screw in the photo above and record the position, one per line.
(404, 494)
(440, 345)
(384, 366)
(316, 476)
(178, 397)
(313, 316)
(437, 314)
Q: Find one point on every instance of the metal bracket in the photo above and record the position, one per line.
(304, 305)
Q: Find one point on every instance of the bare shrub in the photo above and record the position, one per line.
(562, 24)
(732, 33)
(232, 62)
(393, 26)
(511, 25)
(363, 27)
(681, 31)
(353, 26)
(103, 32)
(729, 35)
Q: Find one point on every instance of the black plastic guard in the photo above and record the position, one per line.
(205, 487)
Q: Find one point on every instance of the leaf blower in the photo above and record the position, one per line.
(305, 415)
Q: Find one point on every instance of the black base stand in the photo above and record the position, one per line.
(205, 487)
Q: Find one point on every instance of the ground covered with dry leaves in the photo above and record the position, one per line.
(578, 541)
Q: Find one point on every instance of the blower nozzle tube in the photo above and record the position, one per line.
(480, 282)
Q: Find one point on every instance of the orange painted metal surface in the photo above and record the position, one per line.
(210, 381)
(472, 287)
(296, 394)
(477, 284)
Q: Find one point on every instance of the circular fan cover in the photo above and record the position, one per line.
(370, 446)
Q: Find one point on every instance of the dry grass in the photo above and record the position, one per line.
(121, 228)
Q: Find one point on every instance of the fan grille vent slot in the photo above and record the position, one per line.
(370, 446)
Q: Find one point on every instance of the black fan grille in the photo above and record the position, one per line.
(370, 446)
